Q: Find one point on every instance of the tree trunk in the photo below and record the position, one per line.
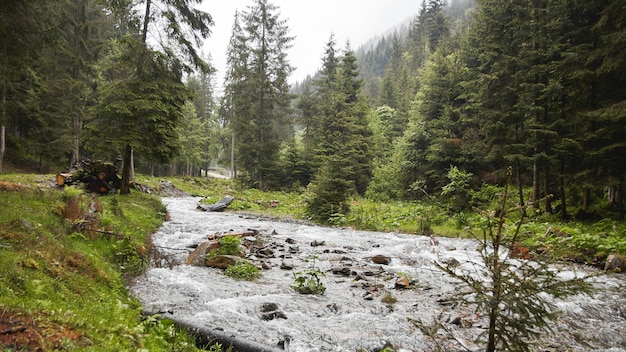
(546, 191)
(586, 198)
(233, 171)
(2, 145)
(520, 189)
(125, 185)
(562, 186)
(535, 184)
(131, 172)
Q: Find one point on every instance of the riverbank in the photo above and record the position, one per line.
(63, 282)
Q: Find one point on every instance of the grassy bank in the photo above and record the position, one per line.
(62, 285)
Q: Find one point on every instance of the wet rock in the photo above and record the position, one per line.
(317, 243)
(381, 259)
(335, 251)
(446, 302)
(344, 270)
(615, 262)
(403, 283)
(284, 343)
(287, 264)
(266, 266)
(451, 248)
(333, 307)
(270, 311)
(198, 256)
(456, 321)
(452, 262)
(265, 252)
(290, 240)
(221, 261)
(294, 250)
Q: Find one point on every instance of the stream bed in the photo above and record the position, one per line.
(356, 311)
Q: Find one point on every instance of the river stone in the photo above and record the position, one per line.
(343, 270)
(403, 282)
(197, 257)
(615, 262)
(287, 264)
(270, 311)
(221, 261)
(381, 259)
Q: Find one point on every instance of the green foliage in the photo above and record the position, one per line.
(330, 193)
(229, 245)
(309, 282)
(243, 270)
(388, 298)
(73, 283)
(458, 188)
(513, 294)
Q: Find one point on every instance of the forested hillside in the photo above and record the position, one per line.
(443, 107)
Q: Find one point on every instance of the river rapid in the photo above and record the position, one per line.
(351, 315)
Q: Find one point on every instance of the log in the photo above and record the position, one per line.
(219, 206)
(63, 178)
(205, 336)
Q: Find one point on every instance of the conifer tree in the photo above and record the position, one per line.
(260, 75)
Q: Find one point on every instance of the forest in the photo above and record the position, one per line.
(441, 108)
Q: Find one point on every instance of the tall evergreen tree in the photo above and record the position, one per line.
(343, 149)
(260, 77)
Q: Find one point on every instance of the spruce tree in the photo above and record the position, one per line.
(260, 75)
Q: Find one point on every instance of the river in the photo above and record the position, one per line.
(351, 315)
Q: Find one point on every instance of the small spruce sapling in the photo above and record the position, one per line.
(512, 294)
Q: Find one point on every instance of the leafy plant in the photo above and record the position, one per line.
(308, 282)
(243, 270)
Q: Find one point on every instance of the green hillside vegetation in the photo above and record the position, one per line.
(62, 286)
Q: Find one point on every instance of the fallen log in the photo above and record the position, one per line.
(206, 337)
(219, 206)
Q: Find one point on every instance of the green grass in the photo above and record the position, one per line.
(71, 283)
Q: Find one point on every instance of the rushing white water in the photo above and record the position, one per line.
(351, 315)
